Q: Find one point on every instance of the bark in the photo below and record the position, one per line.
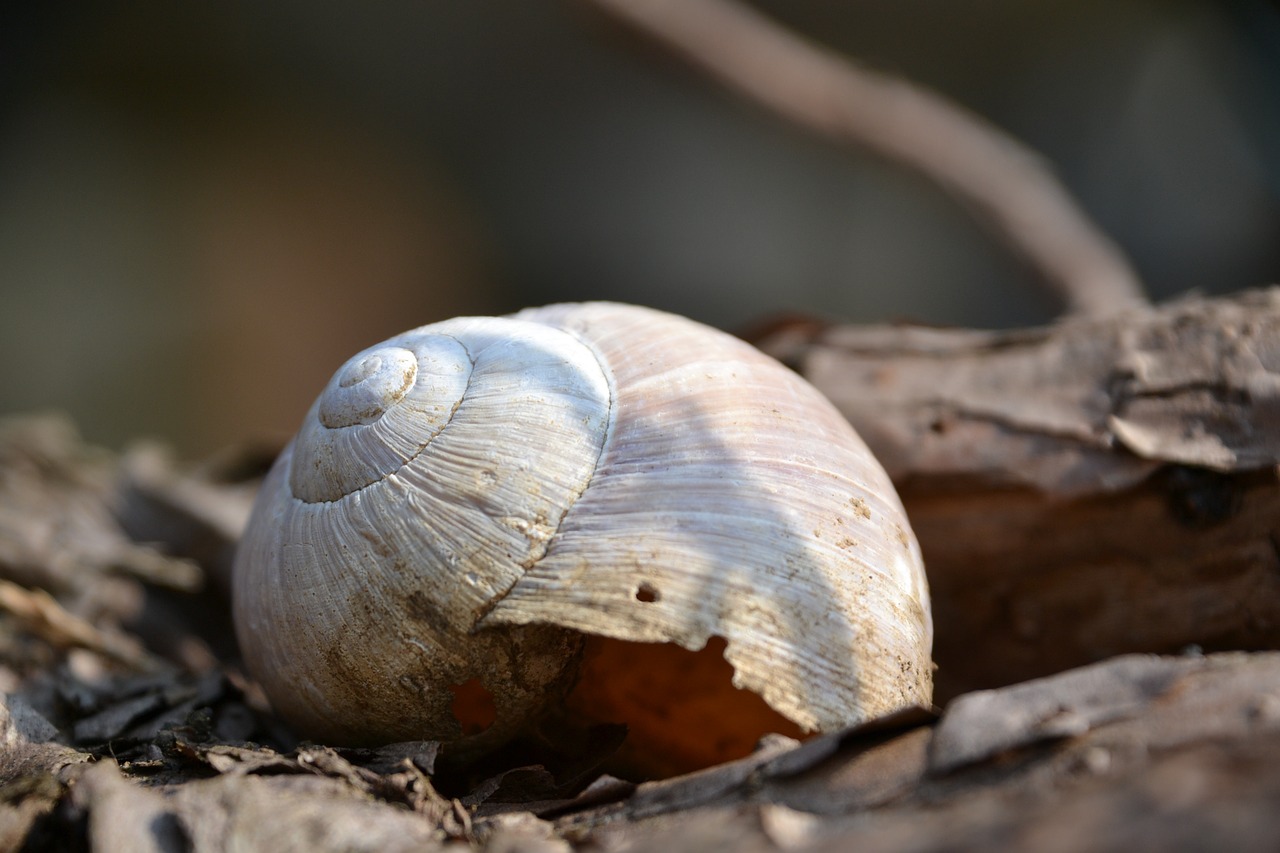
(1094, 487)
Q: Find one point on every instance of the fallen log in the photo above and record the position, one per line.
(1094, 487)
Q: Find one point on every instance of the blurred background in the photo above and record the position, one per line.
(206, 208)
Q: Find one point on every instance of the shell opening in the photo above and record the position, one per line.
(680, 707)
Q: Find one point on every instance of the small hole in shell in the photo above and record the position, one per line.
(647, 593)
(473, 706)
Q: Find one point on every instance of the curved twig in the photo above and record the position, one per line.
(815, 88)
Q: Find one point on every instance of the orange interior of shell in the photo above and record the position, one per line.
(473, 706)
(680, 707)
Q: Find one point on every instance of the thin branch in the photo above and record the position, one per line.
(45, 617)
(1001, 179)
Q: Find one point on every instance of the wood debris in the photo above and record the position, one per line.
(1095, 487)
(1058, 542)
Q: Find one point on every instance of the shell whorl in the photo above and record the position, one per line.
(431, 472)
(377, 413)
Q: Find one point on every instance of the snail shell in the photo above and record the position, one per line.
(468, 502)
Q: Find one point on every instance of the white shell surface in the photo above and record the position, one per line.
(373, 549)
(746, 504)
(581, 469)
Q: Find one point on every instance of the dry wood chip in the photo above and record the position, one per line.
(684, 792)
(116, 719)
(19, 819)
(391, 758)
(401, 781)
(297, 813)
(518, 785)
(787, 828)
(124, 816)
(20, 723)
(982, 724)
(58, 529)
(240, 761)
(192, 514)
(280, 813)
(858, 777)
(28, 750)
(803, 756)
(519, 832)
(605, 789)
(45, 617)
(139, 708)
(324, 760)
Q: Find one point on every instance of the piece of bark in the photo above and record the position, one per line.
(1083, 490)
(58, 530)
(124, 816)
(44, 616)
(280, 813)
(1187, 762)
(1195, 382)
(520, 832)
(197, 513)
(29, 746)
(984, 723)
